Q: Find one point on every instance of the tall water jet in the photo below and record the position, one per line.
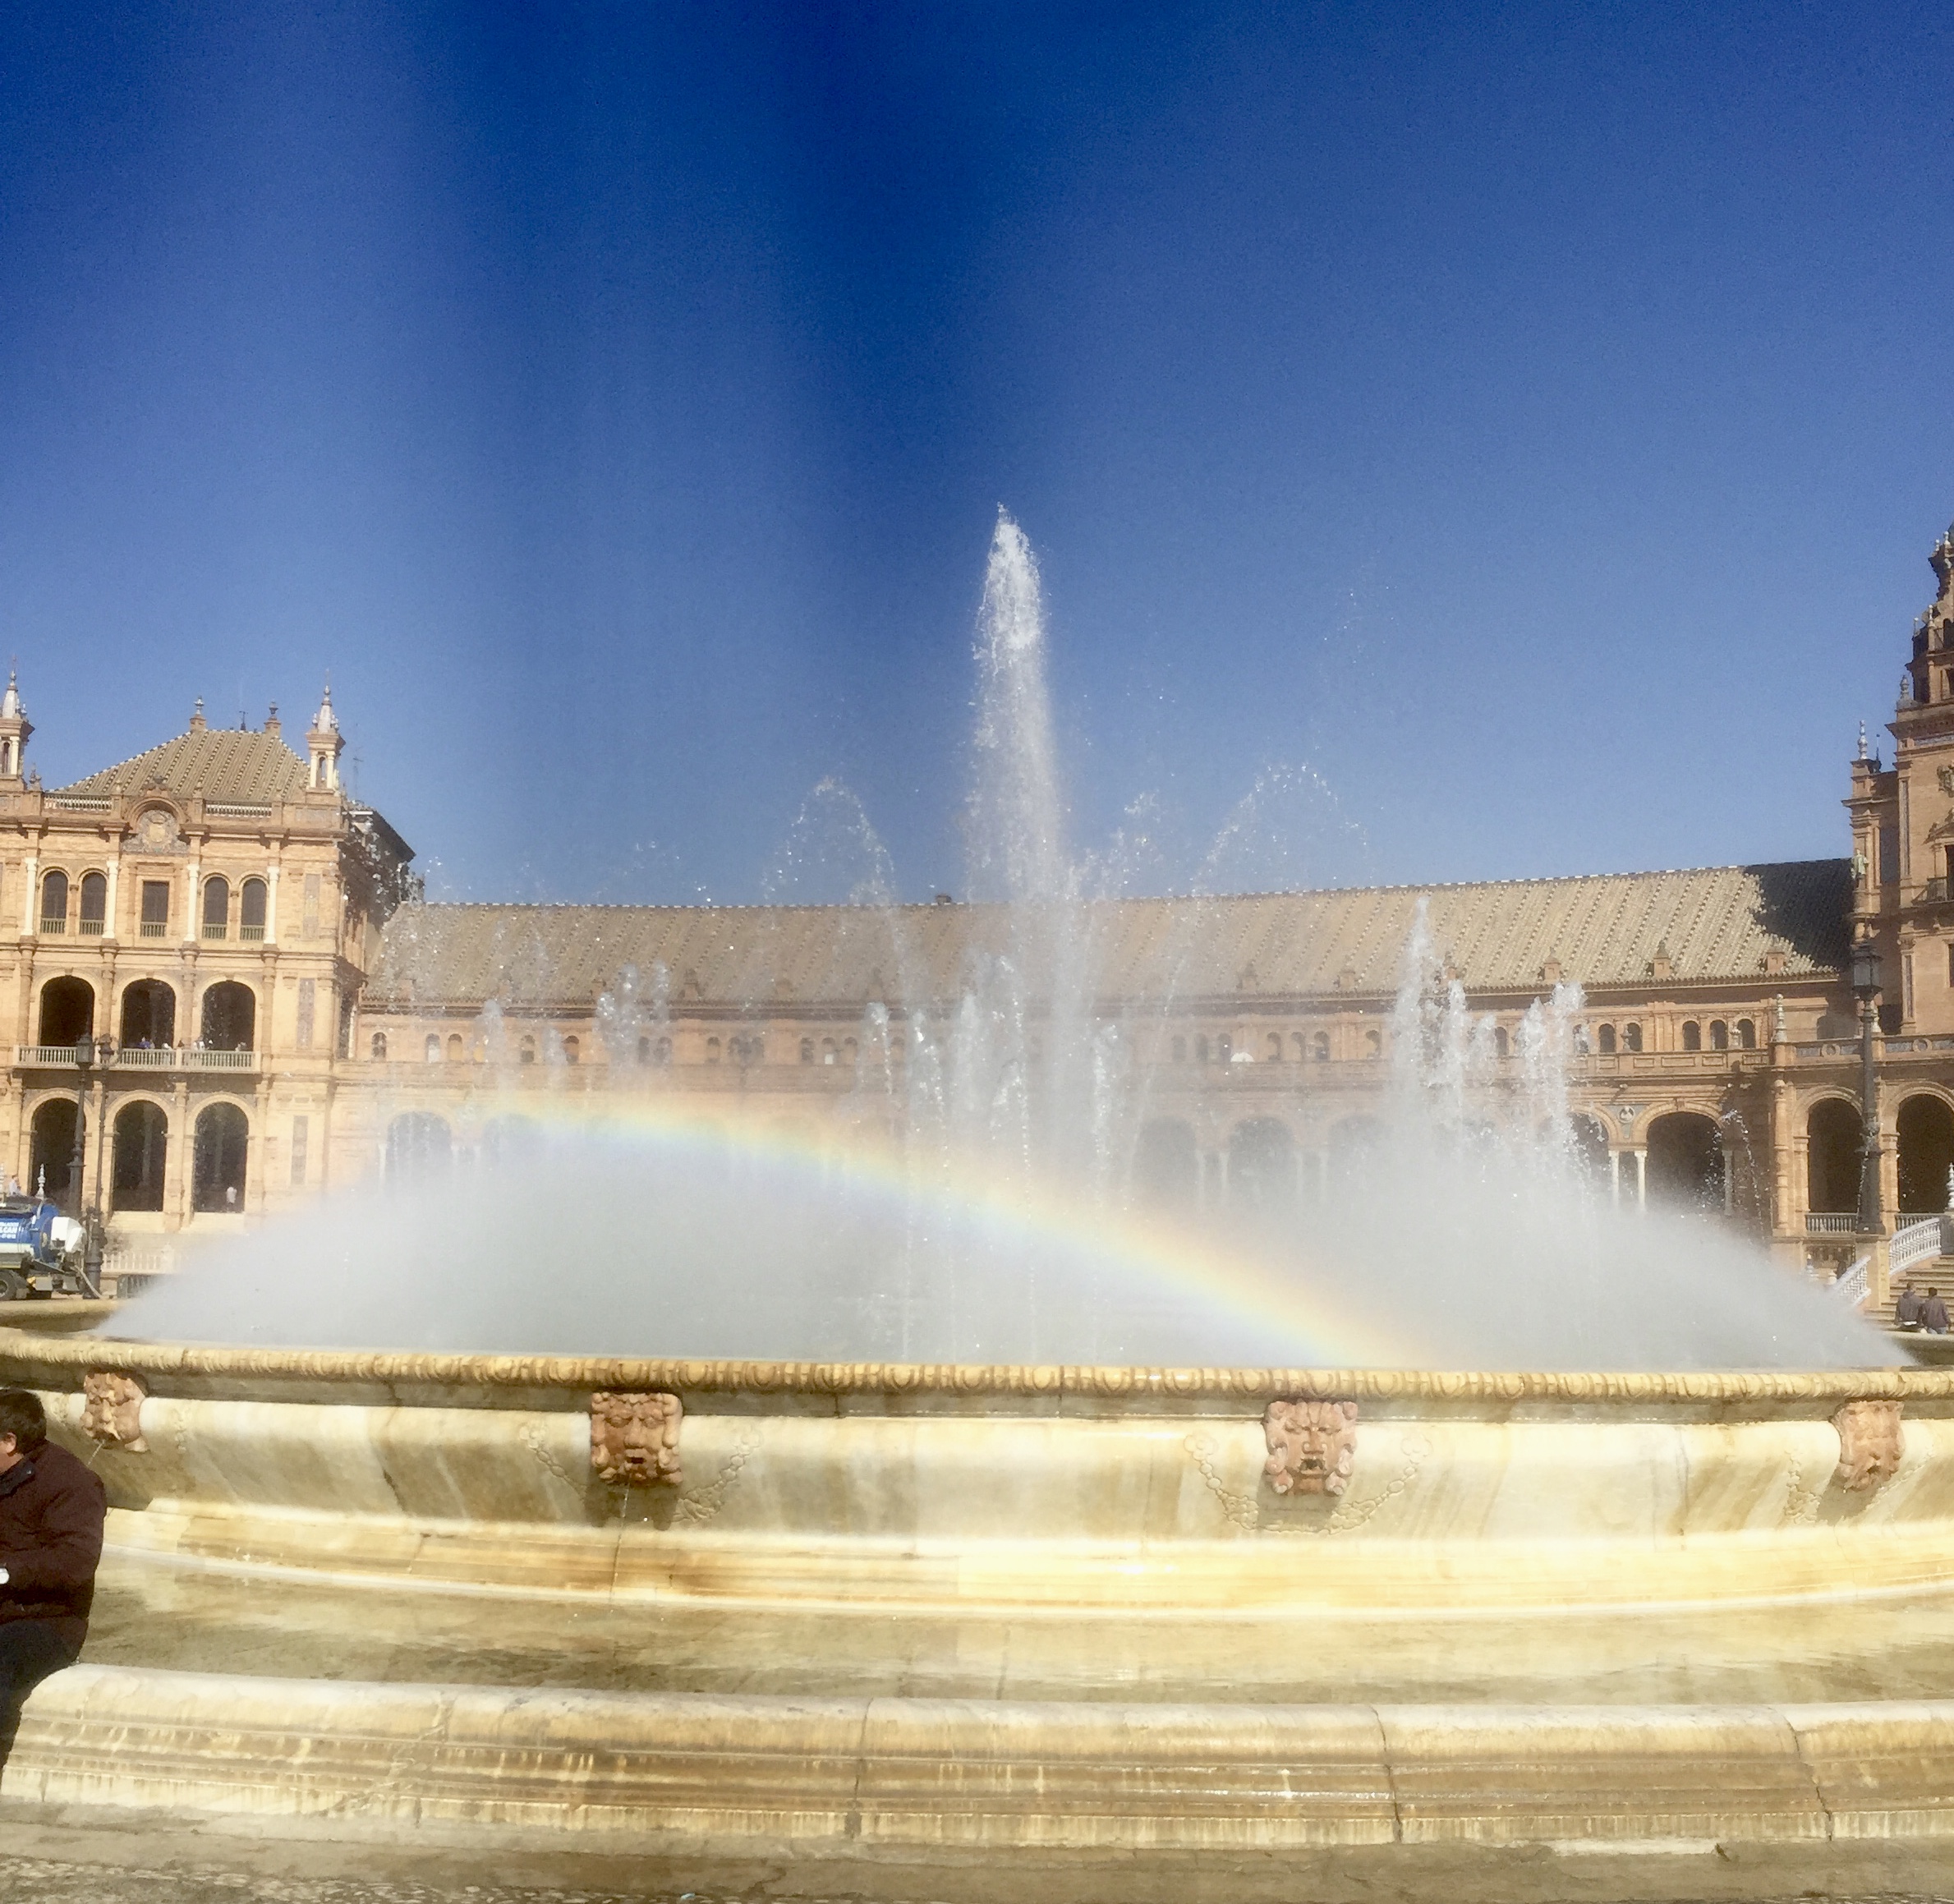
(1014, 845)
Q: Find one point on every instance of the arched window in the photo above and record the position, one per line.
(55, 902)
(1275, 1047)
(230, 1020)
(149, 1016)
(525, 1053)
(95, 904)
(829, 1054)
(377, 1046)
(1180, 1051)
(1692, 1035)
(431, 1050)
(572, 1051)
(221, 1145)
(712, 1051)
(661, 1054)
(420, 1146)
(1201, 1050)
(67, 1010)
(1631, 1037)
(1719, 1035)
(1320, 1047)
(1581, 1047)
(1224, 1048)
(454, 1047)
(1502, 1044)
(141, 1144)
(251, 909)
(1746, 1034)
(1605, 1040)
(216, 908)
(1373, 1044)
(806, 1050)
(644, 1051)
(52, 1156)
(848, 1051)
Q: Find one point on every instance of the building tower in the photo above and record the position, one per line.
(325, 743)
(1903, 828)
(15, 727)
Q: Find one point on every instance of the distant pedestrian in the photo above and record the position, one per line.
(1906, 1311)
(1933, 1314)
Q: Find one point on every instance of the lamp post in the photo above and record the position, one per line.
(84, 1063)
(94, 1225)
(1865, 988)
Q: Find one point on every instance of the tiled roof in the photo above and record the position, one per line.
(1716, 924)
(220, 763)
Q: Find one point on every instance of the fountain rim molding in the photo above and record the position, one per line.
(74, 1354)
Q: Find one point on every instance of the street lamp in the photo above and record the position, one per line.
(88, 1055)
(84, 1062)
(1865, 969)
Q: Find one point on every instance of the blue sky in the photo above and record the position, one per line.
(1527, 423)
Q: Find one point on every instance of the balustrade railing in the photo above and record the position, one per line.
(1855, 1283)
(1831, 1223)
(137, 1058)
(1918, 1242)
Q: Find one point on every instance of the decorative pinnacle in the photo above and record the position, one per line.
(1862, 740)
(10, 702)
(327, 722)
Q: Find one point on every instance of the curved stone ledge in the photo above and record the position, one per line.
(752, 1775)
(25, 1356)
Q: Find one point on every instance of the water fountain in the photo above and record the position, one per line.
(951, 1495)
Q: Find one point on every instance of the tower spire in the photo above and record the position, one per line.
(15, 727)
(325, 743)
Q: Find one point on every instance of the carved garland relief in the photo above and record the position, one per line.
(634, 1437)
(1312, 1445)
(112, 1409)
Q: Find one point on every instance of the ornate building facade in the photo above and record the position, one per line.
(279, 1012)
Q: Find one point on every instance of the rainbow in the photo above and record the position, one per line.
(1012, 1214)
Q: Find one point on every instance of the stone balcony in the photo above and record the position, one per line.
(62, 1057)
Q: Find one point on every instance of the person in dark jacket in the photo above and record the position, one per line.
(51, 1513)
(1933, 1314)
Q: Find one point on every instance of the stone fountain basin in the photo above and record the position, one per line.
(1025, 1603)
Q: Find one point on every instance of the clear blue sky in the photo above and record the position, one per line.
(1534, 419)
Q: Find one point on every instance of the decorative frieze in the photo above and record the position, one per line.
(1871, 1442)
(634, 1437)
(112, 1409)
(1312, 1445)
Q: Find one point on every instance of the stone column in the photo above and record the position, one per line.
(115, 894)
(30, 895)
(1614, 1176)
(1642, 1177)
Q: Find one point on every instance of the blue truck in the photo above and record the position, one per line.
(40, 1250)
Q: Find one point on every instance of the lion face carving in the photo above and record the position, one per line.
(112, 1409)
(1312, 1446)
(1871, 1442)
(634, 1437)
